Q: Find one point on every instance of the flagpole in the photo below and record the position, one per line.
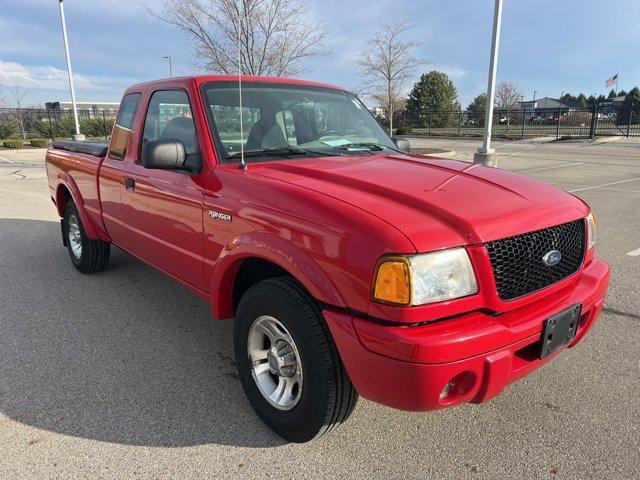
(78, 135)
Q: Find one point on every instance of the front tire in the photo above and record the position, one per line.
(87, 255)
(287, 362)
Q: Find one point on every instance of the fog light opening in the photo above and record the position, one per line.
(457, 387)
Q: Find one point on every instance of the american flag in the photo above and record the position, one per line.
(611, 81)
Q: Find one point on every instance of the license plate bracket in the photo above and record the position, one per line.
(559, 330)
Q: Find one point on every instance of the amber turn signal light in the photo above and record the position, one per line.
(393, 282)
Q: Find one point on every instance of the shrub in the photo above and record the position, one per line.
(13, 144)
(7, 129)
(96, 127)
(60, 128)
(404, 131)
(39, 142)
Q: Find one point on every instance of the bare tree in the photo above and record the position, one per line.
(275, 39)
(3, 101)
(18, 92)
(507, 97)
(387, 65)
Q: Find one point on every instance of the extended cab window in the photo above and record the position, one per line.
(124, 122)
(169, 117)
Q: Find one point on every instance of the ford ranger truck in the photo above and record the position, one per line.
(350, 267)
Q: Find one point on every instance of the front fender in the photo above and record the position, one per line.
(285, 254)
(65, 181)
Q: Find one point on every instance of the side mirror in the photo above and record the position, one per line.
(164, 154)
(402, 144)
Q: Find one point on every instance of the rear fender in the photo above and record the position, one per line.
(277, 250)
(65, 181)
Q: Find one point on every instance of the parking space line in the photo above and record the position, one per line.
(5, 159)
(549, 168)
(603, 185)
(621, 189)
(634, 253)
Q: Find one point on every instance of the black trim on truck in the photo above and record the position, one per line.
(97, 149)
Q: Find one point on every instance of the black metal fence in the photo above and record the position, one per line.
(601, 120)
(557, 123)
(29, 123)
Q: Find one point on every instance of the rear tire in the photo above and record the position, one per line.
(322, 396)
(87, 255)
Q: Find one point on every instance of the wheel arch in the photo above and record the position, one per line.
(66, 191)
(254, 257)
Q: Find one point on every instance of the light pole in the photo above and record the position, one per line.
(78, 135)
(487, 155)
(533, 104)
(168, 57)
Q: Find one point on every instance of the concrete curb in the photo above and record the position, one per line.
(433, 152)
(19, 151)
(600, 141)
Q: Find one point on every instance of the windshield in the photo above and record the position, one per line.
(290, 121)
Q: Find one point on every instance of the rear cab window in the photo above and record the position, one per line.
(121, 136)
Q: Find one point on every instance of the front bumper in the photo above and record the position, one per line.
(474, 355)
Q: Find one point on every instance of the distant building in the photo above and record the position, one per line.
(85, 109)
(548, 103)
(613, 102)
(377, 112)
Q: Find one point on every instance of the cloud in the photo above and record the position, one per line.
(454, 73)
(52, 78)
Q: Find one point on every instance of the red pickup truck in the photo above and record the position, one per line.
(350, 266)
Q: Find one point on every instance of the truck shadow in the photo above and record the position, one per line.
(125, 356)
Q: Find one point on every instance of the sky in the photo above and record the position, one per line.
(547, 45)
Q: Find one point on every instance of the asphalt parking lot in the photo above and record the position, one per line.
(123, 373)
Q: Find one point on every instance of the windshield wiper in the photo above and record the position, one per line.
(368, 146)
(278, 151)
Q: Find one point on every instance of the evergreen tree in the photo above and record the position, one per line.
(631, 110)
(582, 100)
(477, 108)
(612, 94)
(433, 97)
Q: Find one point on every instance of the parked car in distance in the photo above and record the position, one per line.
(350, 267)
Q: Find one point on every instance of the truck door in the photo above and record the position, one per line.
(111, 174)
(163, 208)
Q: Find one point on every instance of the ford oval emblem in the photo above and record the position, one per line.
(552, 258)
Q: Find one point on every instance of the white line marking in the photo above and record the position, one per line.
(550, 168)
(634, 253)
(621, 189)
(603, 185)
(6, 160)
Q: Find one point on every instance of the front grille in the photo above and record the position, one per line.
(517, 262)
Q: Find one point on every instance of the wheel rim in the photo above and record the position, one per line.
(75, 237)
(275, 362)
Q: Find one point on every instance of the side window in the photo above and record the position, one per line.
(122, 131)
(169, 117)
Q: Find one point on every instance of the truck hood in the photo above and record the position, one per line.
(436, 203)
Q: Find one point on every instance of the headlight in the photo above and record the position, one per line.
(592, 231)
(425, 278)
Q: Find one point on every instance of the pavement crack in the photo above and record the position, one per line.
(620, 313)
(17, 175)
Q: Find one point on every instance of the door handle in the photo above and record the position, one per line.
(129, 183)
